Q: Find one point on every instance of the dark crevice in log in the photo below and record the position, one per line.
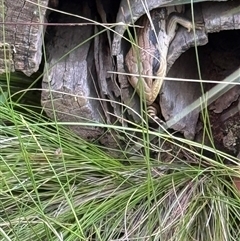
(79, 81)
(220, 58)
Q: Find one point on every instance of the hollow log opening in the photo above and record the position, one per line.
(218, 59)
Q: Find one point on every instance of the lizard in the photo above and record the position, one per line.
(149, 56)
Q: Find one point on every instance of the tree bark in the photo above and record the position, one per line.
(22, 35)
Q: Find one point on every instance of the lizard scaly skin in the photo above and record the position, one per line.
(149, 56)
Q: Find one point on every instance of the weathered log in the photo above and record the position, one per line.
(76, 83)
(75, 97)
(22, 34)
(68, 82)
(130, 12)
(216, 17)
(175, 96)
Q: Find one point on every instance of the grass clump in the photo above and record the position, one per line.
(56, 186)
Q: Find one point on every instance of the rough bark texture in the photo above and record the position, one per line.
(76, 77)
(22, 35)
(68, 85)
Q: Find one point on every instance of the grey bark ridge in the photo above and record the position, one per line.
(22, 35)
(108, 89)
(68, 83)
(76, 82)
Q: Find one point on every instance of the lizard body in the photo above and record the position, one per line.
(149, 55)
